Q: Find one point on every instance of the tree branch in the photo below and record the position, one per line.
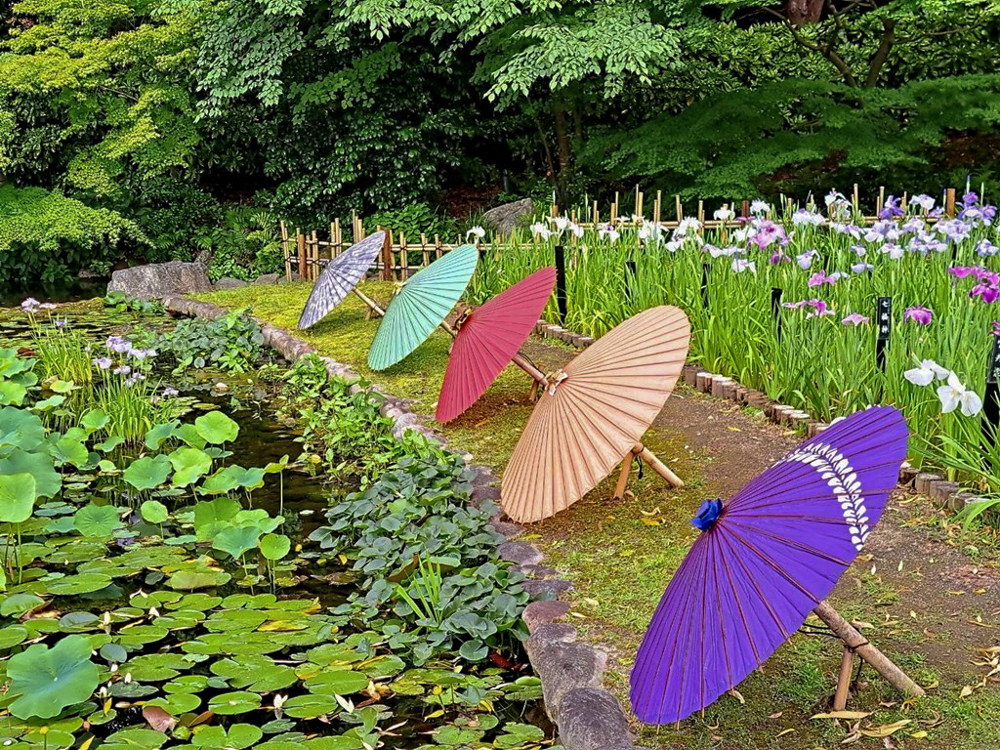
(882, 53)
(828, 52)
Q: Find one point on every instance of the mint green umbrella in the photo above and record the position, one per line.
(421, 305)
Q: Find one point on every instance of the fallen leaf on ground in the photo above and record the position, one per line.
(843, 715)
(886, 729)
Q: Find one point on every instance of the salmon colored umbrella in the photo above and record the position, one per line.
(423, 302)
(489, 337)
(340, 278)
(593, 414)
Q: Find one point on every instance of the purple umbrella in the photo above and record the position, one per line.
(763, 561)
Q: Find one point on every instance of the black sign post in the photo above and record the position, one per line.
(561, 281)
(705, 269)
(884, 322)
(991, 402)
(776, 308)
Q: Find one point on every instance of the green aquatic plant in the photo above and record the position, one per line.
(233, 342)
(47, 680)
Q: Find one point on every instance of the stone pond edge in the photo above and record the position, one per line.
(944, 493)
(587, 716)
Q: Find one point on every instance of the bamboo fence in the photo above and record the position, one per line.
(306, 255)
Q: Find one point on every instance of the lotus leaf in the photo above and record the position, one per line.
(231, 477)
(17, 497)
(190, 464)
(20, 428)
(39, 465)
(12, 393)
(94, 420)
(98, 521)
(147, 473)
(47, 680)
(109, 445)
(70, 451)
(51, 738)
(237, 540)
(275, 546)
(189, 435)
(216, 428)
(210, 517)
(158, 433)
(46, 404)
(153, 511)
(234, 703)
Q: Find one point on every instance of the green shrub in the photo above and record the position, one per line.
(246, 245)
(413, 220)
(46, 236)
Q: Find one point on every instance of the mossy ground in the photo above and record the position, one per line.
(620, 557)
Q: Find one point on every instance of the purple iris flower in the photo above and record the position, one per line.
(996, 329)
(988, 292)
(919, 315)
(103, 362)
(891, 208)
(170, 391)
(854, 319)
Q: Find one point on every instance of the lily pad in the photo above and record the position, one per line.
(17, 497)
(83, 583)
(99, 521)
(47, 680)
(234, 703)
(147, 473)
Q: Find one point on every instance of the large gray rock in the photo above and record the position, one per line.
(504, 218)
(592, 719)
(563, 666)
(158, 280)
(228, 282)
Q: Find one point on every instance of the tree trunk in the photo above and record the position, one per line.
(801, 12)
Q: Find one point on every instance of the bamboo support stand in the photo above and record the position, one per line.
(654, 463)
(855, 643)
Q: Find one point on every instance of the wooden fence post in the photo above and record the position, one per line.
(287, 250)
(300, 243)
(387, 256)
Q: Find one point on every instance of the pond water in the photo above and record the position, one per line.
(74, 290)
(187, 652)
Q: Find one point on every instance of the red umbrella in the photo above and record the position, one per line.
(488, 338)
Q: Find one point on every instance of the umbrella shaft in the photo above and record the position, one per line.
(529, 368)
(370, 302)
(860, 645)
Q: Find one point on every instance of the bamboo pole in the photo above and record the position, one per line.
(843, 680)
(658, 466)
(680, 210)
(300, 244)
(404, 258)
(858, 644)
(287, 250)
(387, 256)
(949, 204)
(314, 258)
(623, 476)
(423, 249)
(658, 207)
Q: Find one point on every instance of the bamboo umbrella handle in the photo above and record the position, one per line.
(657, 465)
(858, 644)
(529, 368)
(372, 304)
